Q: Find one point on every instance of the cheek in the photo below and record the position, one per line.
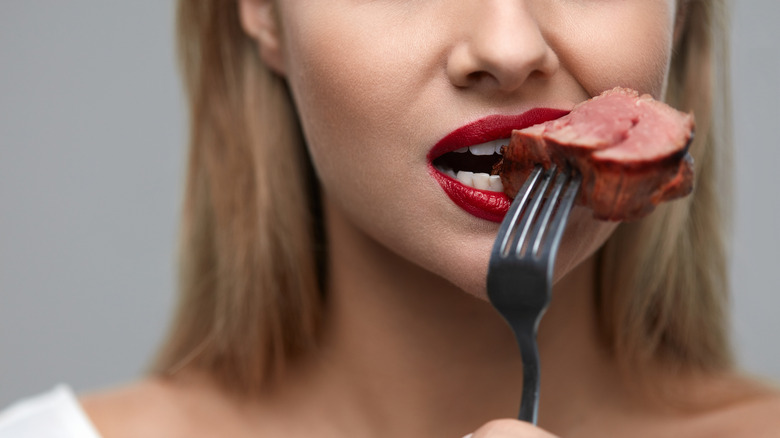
(584, 236)
(347, 80)
(626, 43)
(359, 98)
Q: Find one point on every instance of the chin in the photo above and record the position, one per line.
(465, 265)
(474, 285)
(584, 236)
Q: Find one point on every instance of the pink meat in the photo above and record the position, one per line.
(631, 150)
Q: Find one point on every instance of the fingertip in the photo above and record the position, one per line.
(503, 428)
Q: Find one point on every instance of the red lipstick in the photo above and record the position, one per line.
(491, 206)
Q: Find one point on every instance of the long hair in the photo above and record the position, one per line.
(663, 295)
(249, 298)
(250, 294)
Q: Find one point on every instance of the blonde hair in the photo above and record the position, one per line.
(664, 286)
(251, 244)
(249, 296)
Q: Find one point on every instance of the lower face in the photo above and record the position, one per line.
(381, 85)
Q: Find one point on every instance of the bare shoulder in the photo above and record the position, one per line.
(753, 410)
(190, 405)
(147, 408)
(759, 415)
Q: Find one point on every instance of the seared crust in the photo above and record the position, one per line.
(631, 150)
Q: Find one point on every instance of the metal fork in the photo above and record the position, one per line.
(520, 273)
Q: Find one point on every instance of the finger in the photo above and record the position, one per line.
(507, 428)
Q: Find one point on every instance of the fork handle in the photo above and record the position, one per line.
(529, 402)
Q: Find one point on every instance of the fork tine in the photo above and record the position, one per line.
(519, 285)
(527, 218)
(558, 222)
(542, 222)
(508, 228)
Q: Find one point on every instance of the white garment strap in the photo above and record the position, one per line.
(55, 414)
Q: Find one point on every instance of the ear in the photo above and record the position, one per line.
(258, 18)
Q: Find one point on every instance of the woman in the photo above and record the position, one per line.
(331, 287)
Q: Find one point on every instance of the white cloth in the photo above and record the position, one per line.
(54, 414)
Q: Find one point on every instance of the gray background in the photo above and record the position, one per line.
(92, 130)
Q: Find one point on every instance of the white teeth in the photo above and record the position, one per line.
(495, 184)
(481, 181)
(447, 171)
(488, 148)
(500, 144)
(483, 149)
(466, 178)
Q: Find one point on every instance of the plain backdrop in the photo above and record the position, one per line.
(92, 134)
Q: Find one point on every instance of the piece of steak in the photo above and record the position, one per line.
(631, 150)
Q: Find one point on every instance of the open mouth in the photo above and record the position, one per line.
(464, 162)
(474, 166)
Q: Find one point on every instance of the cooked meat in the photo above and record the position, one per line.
(631, 150)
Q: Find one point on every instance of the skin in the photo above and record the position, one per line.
(411, 347)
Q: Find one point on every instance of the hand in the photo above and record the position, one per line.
(509, 429)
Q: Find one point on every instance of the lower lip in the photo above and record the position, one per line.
(490, 206)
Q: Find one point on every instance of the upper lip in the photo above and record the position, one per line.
(490, 128)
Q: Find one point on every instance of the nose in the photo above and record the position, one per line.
(500, 45)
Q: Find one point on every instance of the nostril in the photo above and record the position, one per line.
(477, 76)
(500, 49)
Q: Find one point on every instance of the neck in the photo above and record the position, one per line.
(408, 354)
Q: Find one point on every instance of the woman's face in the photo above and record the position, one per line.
(384, 87)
